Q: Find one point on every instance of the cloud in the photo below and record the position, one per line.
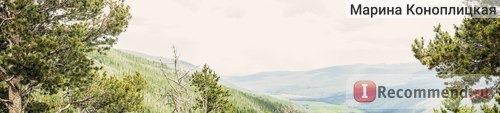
(240, 37)
(299, 7)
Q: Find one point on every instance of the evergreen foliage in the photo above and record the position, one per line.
(212, 97)
(472, 53)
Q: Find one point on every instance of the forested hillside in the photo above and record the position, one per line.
(118, 62)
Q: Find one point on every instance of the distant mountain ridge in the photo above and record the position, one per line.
(333, 85)
(277, 82)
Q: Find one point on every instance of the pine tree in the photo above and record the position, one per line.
(471, 54)
(110, 95)
(43, 44)
(212, 97)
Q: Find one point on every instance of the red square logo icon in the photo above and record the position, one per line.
(364, 91)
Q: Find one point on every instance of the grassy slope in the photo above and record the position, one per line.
(117, 62)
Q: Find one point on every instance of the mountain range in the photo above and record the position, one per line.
(332, 86)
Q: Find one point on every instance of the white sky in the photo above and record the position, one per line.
(238, 37)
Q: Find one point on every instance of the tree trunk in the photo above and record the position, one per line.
(205, 105)
(176, 104)
(16, 105)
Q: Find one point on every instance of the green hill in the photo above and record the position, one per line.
(118, 62)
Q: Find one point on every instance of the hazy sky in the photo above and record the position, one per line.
(238, 37)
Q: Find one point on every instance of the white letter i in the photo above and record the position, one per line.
(364, 91)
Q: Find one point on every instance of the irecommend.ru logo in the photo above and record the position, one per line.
(364, 91)
(367, 91)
